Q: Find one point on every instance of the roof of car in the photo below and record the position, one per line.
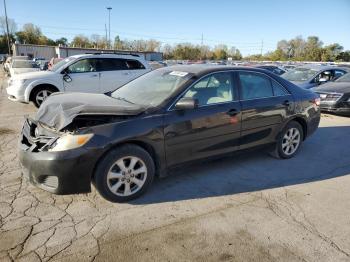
(200, 69)
(109, 55)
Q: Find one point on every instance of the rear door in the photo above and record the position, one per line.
(112, 73)
(83, 77)
(135, 68)
(265, 105)
(212, 128)
(115, 72)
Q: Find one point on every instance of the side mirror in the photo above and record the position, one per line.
(322, 80)
(186, 103)
(67, 78)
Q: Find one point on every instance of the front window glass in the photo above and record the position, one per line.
(82, 66)
(299, 74)
(216, 88)
(153, 88)
(254, 86)
(58, 65)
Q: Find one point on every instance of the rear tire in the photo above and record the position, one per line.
(39, 95)
(289, 142)
(124, 174)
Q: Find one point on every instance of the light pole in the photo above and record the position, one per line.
(109, 25)
(7, 29)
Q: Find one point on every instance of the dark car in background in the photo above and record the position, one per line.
(272, 68)
(309, 76)
(121, 140)
(335, 95)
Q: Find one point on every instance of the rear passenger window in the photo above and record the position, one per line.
(278, 89)
(111, 64)
(134, 65)
(254, 86)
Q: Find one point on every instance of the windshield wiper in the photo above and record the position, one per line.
(124, 99)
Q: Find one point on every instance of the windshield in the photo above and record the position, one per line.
(24, 64)
(344, 78)
(57, 66)
(299, 74)
(153, 88)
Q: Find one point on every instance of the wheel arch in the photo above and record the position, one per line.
(300, 120)
(144, 145)
(40, 86)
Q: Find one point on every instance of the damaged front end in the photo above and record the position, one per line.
(36, 137)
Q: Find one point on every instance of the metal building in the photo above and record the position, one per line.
(48, 52)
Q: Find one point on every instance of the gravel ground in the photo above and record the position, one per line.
(249, 207)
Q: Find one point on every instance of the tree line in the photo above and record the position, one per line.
(296, 49)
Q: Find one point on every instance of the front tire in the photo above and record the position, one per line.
(124, 173)
(41, 94)
(289, 141)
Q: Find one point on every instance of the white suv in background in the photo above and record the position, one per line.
(89, 73)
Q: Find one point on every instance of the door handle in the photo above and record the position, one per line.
(286, 103)
(232, 112)
(94, 76)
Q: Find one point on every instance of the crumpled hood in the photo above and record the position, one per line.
(60, 109)
(337, 87)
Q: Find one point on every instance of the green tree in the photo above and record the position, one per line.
(331, 52)
(81, 41)
(313, 49)
(62, 41)
(31, 34)
(344, 56)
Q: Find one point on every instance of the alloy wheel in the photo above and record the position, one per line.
(42, 95)
(291, 141)
(127, 176)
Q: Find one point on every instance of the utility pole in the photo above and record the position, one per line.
(202, 47)
(7, 29)
(106, 37)
(262, 47)
(109, 25)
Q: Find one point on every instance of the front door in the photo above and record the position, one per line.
(82, 76)
(211, 128)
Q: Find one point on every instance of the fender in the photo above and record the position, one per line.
(33, 84)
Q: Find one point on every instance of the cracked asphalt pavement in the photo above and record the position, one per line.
(248, 207)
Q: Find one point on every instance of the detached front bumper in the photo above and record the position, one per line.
(65, 172)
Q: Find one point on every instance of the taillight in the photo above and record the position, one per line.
(317, 101)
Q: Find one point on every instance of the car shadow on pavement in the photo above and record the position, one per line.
(324, 155)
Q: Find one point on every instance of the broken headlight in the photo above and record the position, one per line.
(69, 141)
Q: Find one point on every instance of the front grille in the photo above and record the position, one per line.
(330, 97)
(50, 181)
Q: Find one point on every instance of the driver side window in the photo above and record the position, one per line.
(83, 66)
(216, 88)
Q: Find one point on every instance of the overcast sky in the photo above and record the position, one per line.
(241, 23)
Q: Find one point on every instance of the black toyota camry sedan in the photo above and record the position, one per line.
(121, 140)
